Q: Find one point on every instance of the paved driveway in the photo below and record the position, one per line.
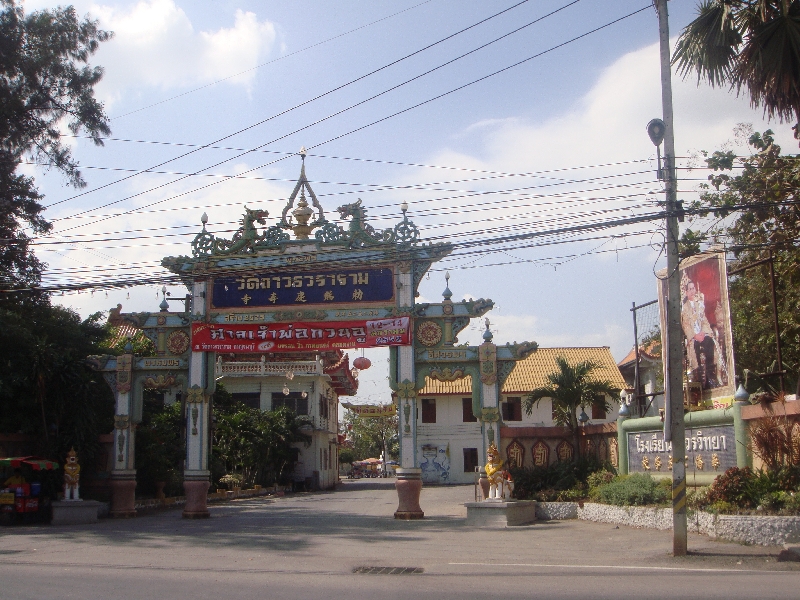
(308, 546)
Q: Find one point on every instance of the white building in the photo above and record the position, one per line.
(449, 440)
(310, 388)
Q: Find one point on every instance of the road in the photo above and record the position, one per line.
(311, 545)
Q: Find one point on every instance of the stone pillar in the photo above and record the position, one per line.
(409, 486)
(123, 474)
(409, 476)
(490, 394)
(196, 474)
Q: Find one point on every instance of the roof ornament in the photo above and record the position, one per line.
(303, 212)
(487, 335)
(447, 294)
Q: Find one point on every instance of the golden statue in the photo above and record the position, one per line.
(495, 473)
(72, 476)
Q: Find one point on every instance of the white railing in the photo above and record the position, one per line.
(264, 368)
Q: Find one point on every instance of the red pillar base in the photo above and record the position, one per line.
(196, 506)
(409, 487)
(123, 496)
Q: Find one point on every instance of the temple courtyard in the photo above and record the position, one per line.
(345, 544)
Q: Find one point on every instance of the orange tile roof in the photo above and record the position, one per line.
(532, 372)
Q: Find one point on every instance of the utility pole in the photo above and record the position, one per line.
(674, 354)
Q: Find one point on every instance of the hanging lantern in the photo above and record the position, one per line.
(362, 363)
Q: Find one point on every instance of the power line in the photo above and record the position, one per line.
(288, 110)
(384, 118)
(269, 62)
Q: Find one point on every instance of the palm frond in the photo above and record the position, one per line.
(709, 45)
(769, 64)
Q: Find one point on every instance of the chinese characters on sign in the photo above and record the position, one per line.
(303, 289)
(290, 337)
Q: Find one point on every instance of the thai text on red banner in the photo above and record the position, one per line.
(300, 337)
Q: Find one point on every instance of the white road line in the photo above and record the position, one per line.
(615, 567)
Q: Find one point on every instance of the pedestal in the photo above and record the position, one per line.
(409, 485)
(123, 494)
(494, 513)
(196, 491)
(75, 512)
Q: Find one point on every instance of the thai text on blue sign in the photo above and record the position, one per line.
(303, 289)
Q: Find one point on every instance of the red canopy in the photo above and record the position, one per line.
(34, 462)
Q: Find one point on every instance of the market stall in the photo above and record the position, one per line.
(20, 494)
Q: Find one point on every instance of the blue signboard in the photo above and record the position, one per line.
(357, 286)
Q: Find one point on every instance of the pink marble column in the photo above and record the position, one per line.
(409, 486)
(123, 495)
(196, 506)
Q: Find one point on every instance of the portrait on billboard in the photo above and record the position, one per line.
(705, 324)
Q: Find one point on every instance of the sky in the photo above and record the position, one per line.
(555, 141)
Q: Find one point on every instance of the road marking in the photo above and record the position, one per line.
(615, 567)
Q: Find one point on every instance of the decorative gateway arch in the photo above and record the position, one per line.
(303, 285)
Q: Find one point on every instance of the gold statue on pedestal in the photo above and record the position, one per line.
(72, 476)
(498, 478)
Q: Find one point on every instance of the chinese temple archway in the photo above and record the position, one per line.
(302, 285)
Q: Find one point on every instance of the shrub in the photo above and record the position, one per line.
(735, 487)
(634, 490)
(544, 483)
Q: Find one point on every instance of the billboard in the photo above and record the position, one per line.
(705, 323)
(301, 336)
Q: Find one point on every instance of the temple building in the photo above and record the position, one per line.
(449, 435)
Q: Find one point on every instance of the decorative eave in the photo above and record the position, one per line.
(343, 382)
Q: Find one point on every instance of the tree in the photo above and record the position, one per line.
(751, 45)
(257, 445)
(572, 387)
(761, 210)
(46, 388)
(45, 81)
(372, 435)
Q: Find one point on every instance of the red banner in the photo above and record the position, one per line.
(300, 337)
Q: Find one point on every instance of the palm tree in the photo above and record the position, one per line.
(751, 45)
(572, 387)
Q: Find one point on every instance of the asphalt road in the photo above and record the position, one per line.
(311, 545)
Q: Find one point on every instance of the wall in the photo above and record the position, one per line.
(597, 441)
(449, 435)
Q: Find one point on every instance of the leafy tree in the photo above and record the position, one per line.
(572, 387)
(372, 435)
(750, 45)
(159, 444)
(46, 388)
(761, 210)
(45, 81)
(256, 444)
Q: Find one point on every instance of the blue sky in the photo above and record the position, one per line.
(558, 116)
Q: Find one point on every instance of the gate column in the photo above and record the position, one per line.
(409, 476)
(196, 474)
(123, 475)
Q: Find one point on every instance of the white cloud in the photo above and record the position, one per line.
(155, 44)
(608, 123)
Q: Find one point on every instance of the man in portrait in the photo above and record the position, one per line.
(700, 342)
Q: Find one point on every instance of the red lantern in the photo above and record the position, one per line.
(362, 363)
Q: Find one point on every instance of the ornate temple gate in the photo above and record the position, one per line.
(268, 293)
